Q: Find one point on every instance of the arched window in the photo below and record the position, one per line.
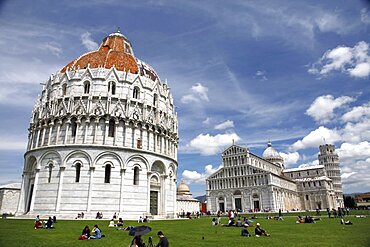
(78, 172)
(112, 87)
(86, 87)
(107, 173)
(73, 127)
(64, 89)
(112, 127)
(136, 92)
(155, 99)
(136, 175)
(50, 171)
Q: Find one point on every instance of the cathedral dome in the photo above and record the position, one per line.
(270, 152)
(115, 51)
(183, 188)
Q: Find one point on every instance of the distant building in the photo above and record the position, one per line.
(247, 182)
(185, 201)
(9, 197)
(363, 200)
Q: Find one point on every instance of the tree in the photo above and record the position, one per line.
(349, 202)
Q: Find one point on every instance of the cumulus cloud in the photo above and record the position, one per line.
(357, 113)
(322, 109)
(348, 151)
(198, 93)
(290, 158)
(225, 125)
(308, 164)
(354, 61)
(207, 144)
(199, 178)
(317, 137)
(88, 42)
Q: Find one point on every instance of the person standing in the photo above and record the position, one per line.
(163, 241)
(218, 217)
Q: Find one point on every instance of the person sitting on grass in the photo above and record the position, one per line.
(49, 224)
(120, 222)
(85, 233)
(111, 223)
(347, 222)
(38, 223)
(239, 223)
(214, 222)
(97, 232)
(259, 231)
(245, 232)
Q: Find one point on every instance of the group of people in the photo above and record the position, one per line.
(340, 212)
(258, 231)
(306, 219)
(113, 224)
(80, 215)
(99, 215)
(48, 224)
(137, 241)
(141, 219)
(95, 233)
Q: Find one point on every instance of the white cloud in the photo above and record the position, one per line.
(207, 121)
(225, 125)
(198, 93)
(191, 177)
(352, 152)
(357, 113)
(261, 75)
(210, 145)
(12, 143)
(88, 42)
(353, 61)
(290, 158)
(322, 109)
(53, 47)
(347, 175)
(328, 22)
(317, 137)
(312, 163)
(365, 17)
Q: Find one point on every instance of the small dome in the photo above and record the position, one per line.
(271, 153)
(183, 188)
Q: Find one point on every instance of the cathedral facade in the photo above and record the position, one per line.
(103, 137)
(249, 183)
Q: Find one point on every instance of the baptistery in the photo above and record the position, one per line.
(103, 137)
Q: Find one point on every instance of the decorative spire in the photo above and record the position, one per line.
(269, 144)
(118, 30)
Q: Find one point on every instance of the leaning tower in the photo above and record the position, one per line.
(103, 137)
(330, 159)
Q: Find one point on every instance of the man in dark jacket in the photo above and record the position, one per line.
(163, 242)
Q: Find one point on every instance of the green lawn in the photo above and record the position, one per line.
(327, 232)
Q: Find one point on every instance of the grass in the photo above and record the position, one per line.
(327, 232)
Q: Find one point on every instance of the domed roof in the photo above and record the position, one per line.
(183, 188)
(115, 50)
(271, 153)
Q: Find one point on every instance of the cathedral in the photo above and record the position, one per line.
(103, 137)
(249, 183)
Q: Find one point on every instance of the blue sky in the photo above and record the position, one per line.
(292, 72)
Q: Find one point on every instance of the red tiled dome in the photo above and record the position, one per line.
(115, 50)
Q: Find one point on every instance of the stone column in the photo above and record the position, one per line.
(21, 207)
(92, 169)
(60, 188)
(148, 193)
(116, 125)
(123, 170)
(43, 134)
(60, 122)
(38, 128)
(78, 124)
(37, 170)
(105, 135)
(67, 130)
(87, 125)
(95, 129)
(50, 132)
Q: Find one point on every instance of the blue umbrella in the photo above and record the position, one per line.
(139, 230)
